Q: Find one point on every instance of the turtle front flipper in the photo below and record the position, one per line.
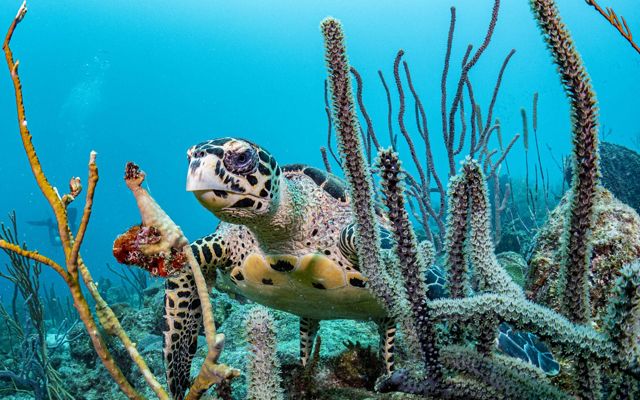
(308, 330)
(183, 318)
(387, 329)
(183, 314)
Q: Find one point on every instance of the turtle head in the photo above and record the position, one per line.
(233, 178)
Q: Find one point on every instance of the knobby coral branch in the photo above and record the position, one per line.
(409, 261)
(35, 256)
(528, 316)
(88, 206)
(573, 282)
(457, 227)
(264, 382)
(574, 279)
(354, 164)
(613, 19)
(491, 276)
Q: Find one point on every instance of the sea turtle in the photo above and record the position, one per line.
(286, 240)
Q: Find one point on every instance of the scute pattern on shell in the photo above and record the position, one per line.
(331, 184)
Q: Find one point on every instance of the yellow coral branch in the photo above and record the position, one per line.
(47, 189)
(99, 345)
(35, 256)
(93, 181)
(612, 17)
(71, 250)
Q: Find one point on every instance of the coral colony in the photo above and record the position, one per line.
(448, 321)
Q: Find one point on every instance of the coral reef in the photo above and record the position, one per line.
(483, 310)
(584, 267)
(615, 241)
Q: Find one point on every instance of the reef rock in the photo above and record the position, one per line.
(616, 242)
(620, 169)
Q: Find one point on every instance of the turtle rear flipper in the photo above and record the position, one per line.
(527, 347)
(183, 318)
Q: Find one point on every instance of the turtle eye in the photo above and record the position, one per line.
(242, 162)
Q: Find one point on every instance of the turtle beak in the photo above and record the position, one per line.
(202, 174)
(204, 179)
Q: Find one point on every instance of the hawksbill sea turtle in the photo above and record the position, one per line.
(286, 240)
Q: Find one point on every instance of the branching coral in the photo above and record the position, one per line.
(613, 19)
(504, 302)
(574, 277)
(491, 276)
(30, 367)
(70, 246)
(75, 267)
(573, 282)
(426, 194)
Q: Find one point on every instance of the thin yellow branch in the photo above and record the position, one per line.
(35, 256)
(612, 17)
(99, 345)
(88, 206)
(47, 190)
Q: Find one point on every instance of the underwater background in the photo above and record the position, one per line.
(143, 81)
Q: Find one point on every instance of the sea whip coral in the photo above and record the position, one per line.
(573, 282)
(410, 262)
(457, 227)
(353, 160)
(577, 85)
